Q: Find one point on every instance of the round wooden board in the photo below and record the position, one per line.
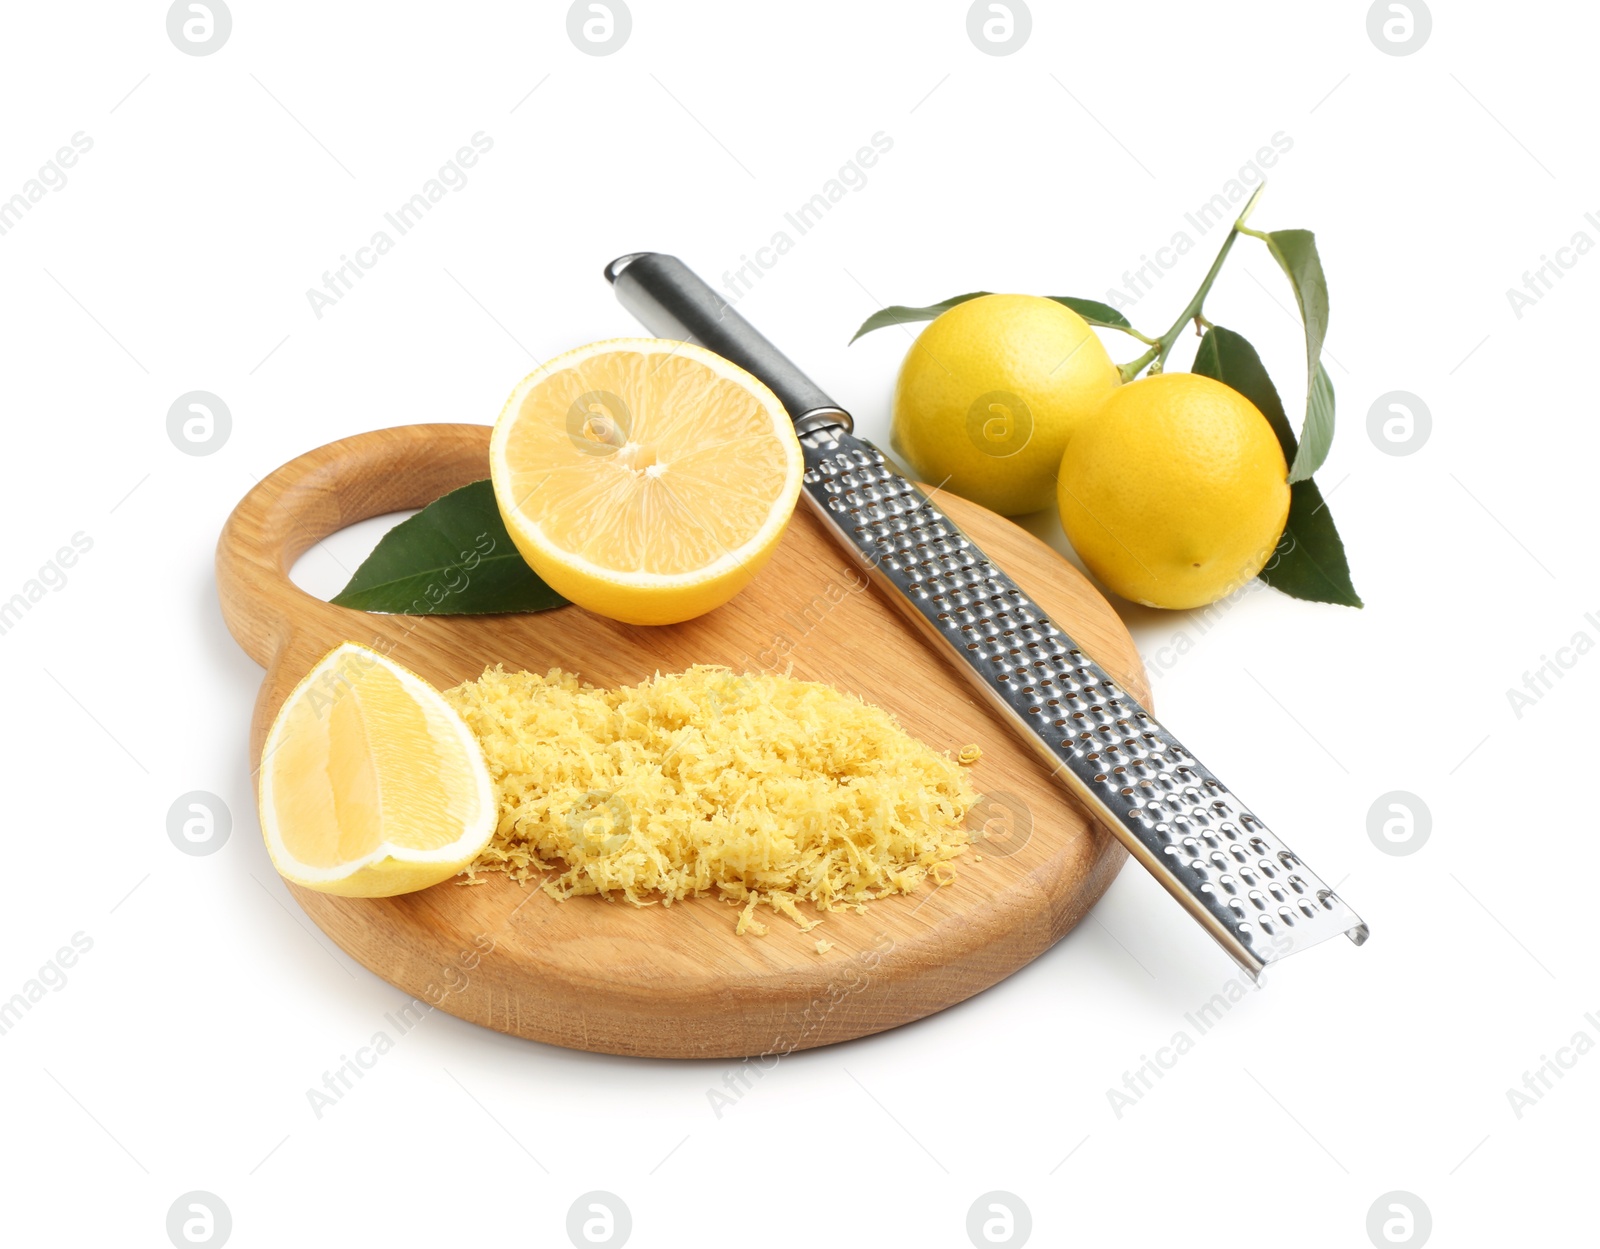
(678, 983)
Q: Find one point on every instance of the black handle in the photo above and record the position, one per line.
(671, 301)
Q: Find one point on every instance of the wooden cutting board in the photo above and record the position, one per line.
(678, 983)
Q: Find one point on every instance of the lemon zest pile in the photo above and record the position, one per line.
(762, 790)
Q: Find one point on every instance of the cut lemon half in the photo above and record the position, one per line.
(371, 784)
(644, 479)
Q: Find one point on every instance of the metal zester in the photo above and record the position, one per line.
(1212, 853)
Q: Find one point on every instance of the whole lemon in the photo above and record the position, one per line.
(991, 391)
(1176, 492)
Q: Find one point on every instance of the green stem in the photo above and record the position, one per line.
(1133, 368)
(1162, 347)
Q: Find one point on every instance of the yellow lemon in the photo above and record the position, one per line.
(1176, 492)
(990, 393)
(644, 479)
(371, 784)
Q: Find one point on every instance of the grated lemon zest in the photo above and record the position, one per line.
(761, 790)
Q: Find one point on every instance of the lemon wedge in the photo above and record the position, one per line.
(371, 785)
(644, 479)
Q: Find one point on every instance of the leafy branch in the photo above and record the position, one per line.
(1310, 561)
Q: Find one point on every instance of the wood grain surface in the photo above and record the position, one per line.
(678, 983)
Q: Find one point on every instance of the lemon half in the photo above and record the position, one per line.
(644, 479)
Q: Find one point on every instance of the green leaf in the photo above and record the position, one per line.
(1091, 310)
(1309, 562)
(1231, 360)
(1296, 254)
(453, 558)
(1319, 419)
(900, 314)
(1094, 312)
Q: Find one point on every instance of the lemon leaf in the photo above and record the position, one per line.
(1296, 254)
(900, 314)
(453, 558)
(1231, 360)
(1091, 310)
(1309, 562)
(1094, 312)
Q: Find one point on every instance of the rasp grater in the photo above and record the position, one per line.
(1212, 853)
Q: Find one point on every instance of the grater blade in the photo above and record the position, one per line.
(1211, 852)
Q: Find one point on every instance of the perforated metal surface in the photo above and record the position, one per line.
(1211, 852)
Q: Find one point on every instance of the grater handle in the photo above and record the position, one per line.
(670, 299)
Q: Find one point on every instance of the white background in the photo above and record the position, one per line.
(177, 257)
